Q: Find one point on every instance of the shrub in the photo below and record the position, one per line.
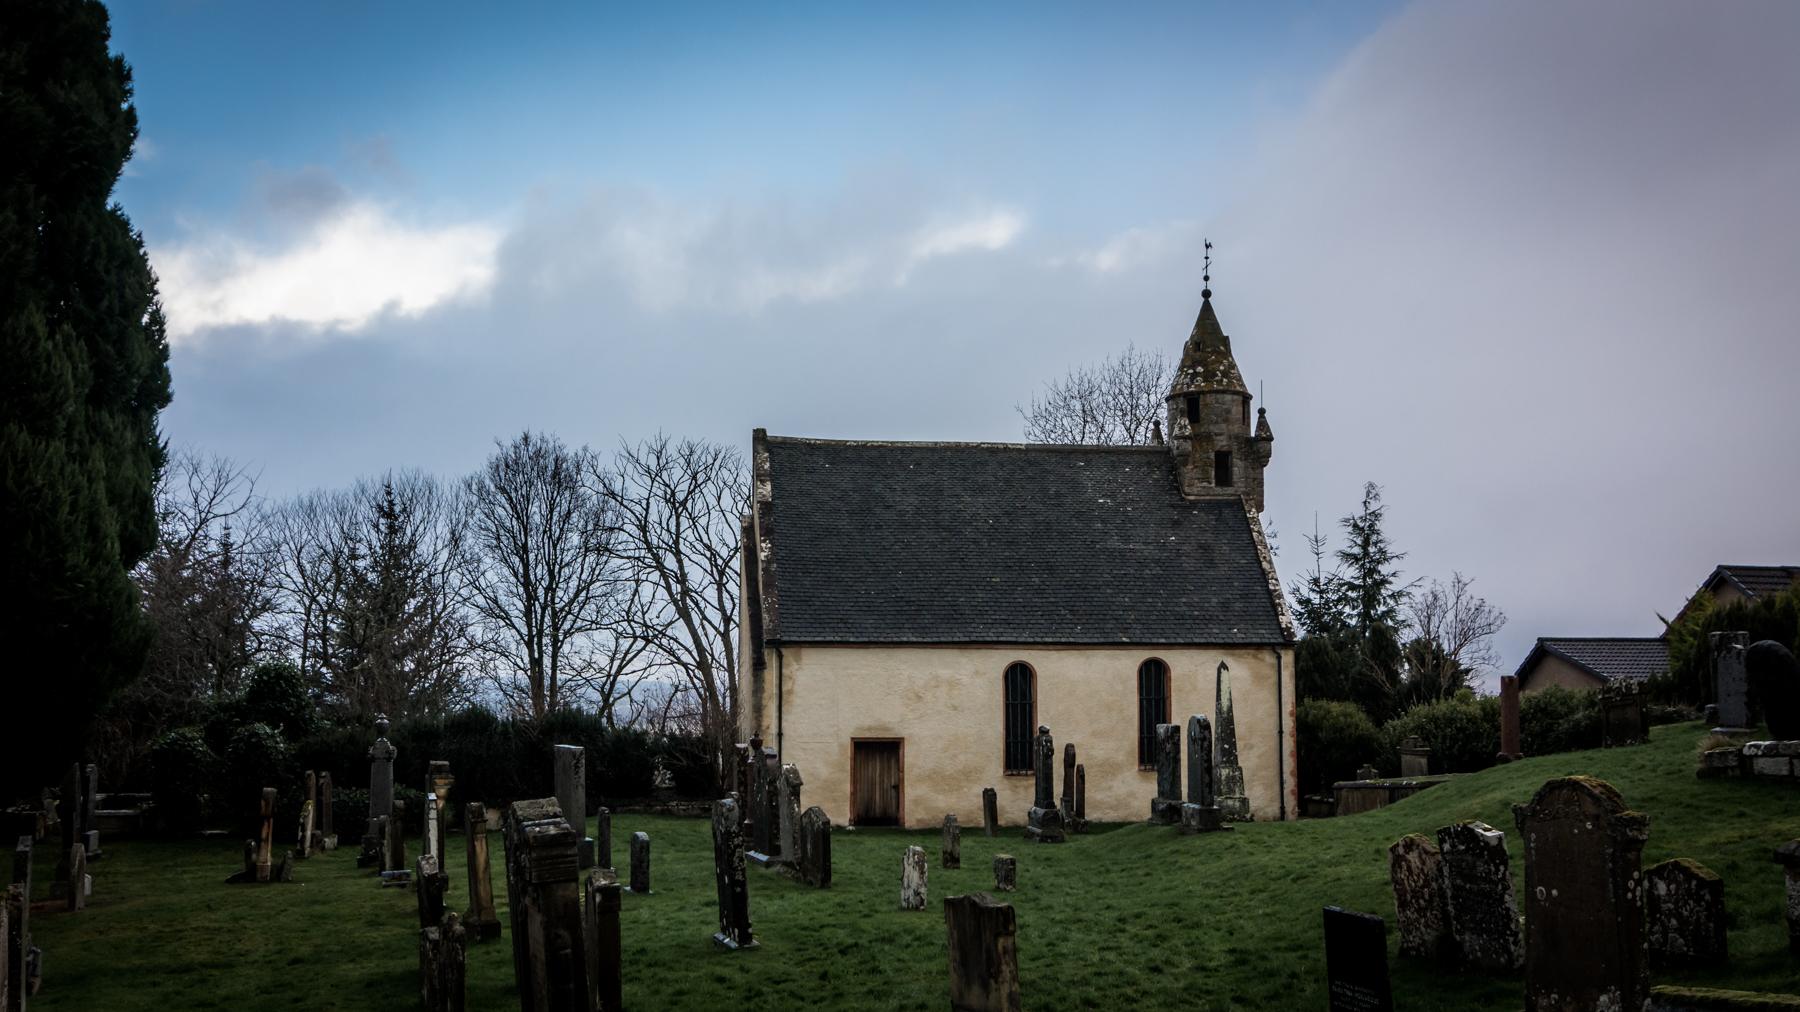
(257, 757)
(182, 768)
(1335, 737)
(275, 694)
(1463, 733)
(1558, 719)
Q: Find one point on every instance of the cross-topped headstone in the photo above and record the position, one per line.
(1044, 823)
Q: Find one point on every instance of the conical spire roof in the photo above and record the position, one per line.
(1206, 362)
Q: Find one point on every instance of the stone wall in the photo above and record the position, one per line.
(1765, 760)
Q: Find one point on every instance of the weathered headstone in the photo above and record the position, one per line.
(430, 838)
(605, 943)
(1509, 718)
(750, 776)
(443, 965)
(76, 889)
(1583, 894)
(304, 831)
(1731, 685)
(990, 811)
(428, 884)
(1228, 775)
(310, 795)
(815, 848)
(730, 877)
(480, 921)
(381, 798)
(18, 943)
(1006, 873)
(1201, 812)
(571, 795)
(1416, 870)
(1044, 823)
(90, 803)
(1622, 715)
(284, 871)
(549, 949)
(1081, 796)
(438, 781)
(984, 954)
(951, 852)
(787, 804)
(912, 879)
(1356, 968)
(327, 831)
(1684, 914)
(1068, 787)
(1788, 856)
(265, 835)
(1415, 758)
(1165, 808)
(1774, 677)
(769, 807)
(603, 838)
(396, 835)
(1483, 916)
(640, 863)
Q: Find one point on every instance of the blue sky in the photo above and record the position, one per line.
(1528, 265)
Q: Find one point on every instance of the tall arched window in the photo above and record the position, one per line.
(1021, 716)
(1153, 708)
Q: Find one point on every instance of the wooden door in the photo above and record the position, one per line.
(875, 783)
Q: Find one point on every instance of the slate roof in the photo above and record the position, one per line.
(1756, 581)
(1005, 543)
(1608, 658)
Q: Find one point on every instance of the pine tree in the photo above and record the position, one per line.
(83, 374)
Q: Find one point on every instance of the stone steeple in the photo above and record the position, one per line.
(1217, 453)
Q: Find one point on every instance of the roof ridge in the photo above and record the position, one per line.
(940, 444)
(1598, 639)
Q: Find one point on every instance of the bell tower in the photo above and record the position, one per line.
(1217, 454)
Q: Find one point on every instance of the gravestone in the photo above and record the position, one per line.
(815, 848)
(480, 922)
(1416, 870)
(76, 889)
(1788, 856)
(443, 965)
(310, 794)
(1081, 796)
(439, 781)
(912, 879)
(265, 835)
(1731, 684)
(327, 830)
(396, 835)
(1201, 812)
(732, 880)
(1356, 969)
(1165, 808)
(603, 838)
(431, 840)
(381, 798)
(640, 863)
(1415, 758)
(1583, 894)
(1684, 914)
(984, 954)
(750, 776)
(1774, 677)
(549, 950)
(1228, 775)
(1044, 822)
(1006, 873)
(284, 872)
(1482, 914)
(1509, 718)
(90, 803)
(428, 885)
(990, 811)
(1068, 788)
(950, 854)
(18, 945)
(787, 804)
(1367, 772)
(769, 807)
(605, 942)
(1622, 715)
(571, 796)
(304, 831)
(68, 808)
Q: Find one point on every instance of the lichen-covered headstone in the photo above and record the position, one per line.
(787, 803)
(323, 817)
(1684, 914)
(951, 856)
(1478, 896)
(912, 879)
(480, 922)
(1228, 775)
(443, 960)
(984, 954)
(265, 835)
(990, 811)
(428, 885)
(815, 848)
(549, 950)
(730, 877)
(605, 949)
(1201, 812)
(1416, 870)
(1731, 686)
(1584, 898)
(1006, 873)
(1165, 808)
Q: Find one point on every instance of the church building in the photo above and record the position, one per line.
(912, 612)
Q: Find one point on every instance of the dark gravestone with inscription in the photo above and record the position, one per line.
(1356, 969)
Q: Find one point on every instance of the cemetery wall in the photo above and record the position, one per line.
(947, 704)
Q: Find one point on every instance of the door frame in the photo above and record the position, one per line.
(900, 813)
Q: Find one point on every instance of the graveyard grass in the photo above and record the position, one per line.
(1127, 916)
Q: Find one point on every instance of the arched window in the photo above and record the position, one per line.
(1153, 708)
(1021, 716)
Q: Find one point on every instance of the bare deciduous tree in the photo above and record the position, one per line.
(1116, 402)
(676, 508)
(1453, 630)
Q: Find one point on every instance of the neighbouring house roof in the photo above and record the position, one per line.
(1608, 658)
(1751, 581)
(885, 542)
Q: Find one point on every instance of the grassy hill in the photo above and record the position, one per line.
(1127, 916)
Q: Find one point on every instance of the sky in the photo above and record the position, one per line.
(1528, 266)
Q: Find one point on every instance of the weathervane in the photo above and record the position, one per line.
(1206, 271)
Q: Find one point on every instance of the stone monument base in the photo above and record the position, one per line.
(725, 941)
(1201, 819)
(1045, 825)
(1164, 812)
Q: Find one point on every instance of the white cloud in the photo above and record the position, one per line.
(350, 269)
(1138, 247)
(987, 233)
